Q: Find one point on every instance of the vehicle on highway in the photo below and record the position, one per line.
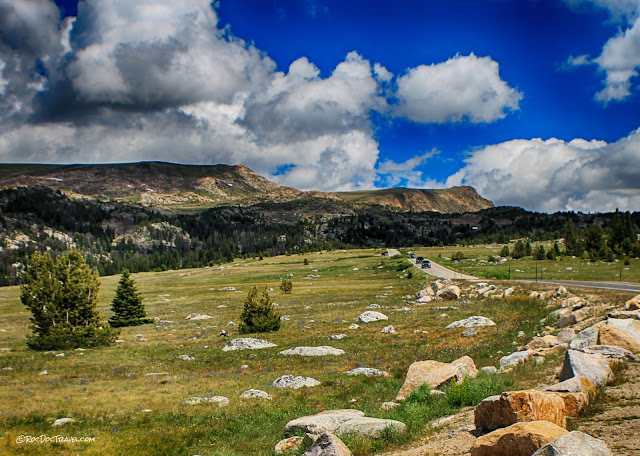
(419, 259)
(425, 264)
(412, 255)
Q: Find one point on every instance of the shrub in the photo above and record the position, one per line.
(473, 390)
(62, 296)
(258, 315)
(286, 286)
(457, 256)
(402, 265)
(127, 305)
(497, 274)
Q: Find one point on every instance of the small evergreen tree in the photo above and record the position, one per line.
(505, 251)
(258, 315)
(528, 250)
(541, 254)
(62, 296)
(286, 286)
(127, 305)
(519, 250)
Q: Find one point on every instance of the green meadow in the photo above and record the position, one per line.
(130, 413)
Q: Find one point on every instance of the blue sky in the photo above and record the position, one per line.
(534, 103)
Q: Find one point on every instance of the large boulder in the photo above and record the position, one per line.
(435, 374)
(371, 316)
(611, 335)
(574, 317)
(449, 293)
(633, 303)
(613, 353)
(342, 422)
(323, 350)
(574, 385)
(575, 443)
(627, 325)
(594, 368)
(327, 444)
(515, 358)
(471, 322)
(586, 337)
(520, 439)
(247, 343)
(509, 408)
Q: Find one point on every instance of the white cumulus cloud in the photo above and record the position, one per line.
(462, 88)
(552, 175)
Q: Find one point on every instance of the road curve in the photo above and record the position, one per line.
(441, 272)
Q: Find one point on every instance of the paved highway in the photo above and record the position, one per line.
(441, 272)
(619, 286)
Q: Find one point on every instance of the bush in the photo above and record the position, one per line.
(402, 265)
(286, 286)
(458, 256)
(473, 390)
(497, 274)
(258, 315)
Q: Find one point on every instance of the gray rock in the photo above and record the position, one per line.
(572, 385)
(586, 338)
(574, 317)
(508, 292)
(610, 352)
(388, 330)
(575, 443)
(294, 382)
(373, 306)
(221, 401)
(342, 422)
(198, 316)
(594, 368)
(223, 333)
(255, 394)
(323, 350)
(489, 370)
(471, 322)
(624, 314)
(371, 316)
(337, 336)
(327, 444)
(469, 332)
(390, 405)
(515, 358)
(247, 343)
(63, 421)
(450, 293)
(186, 358)
(368, 372)
(564, 336)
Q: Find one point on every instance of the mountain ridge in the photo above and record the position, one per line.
(196, 187)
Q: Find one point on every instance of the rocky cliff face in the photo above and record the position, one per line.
(195, 187)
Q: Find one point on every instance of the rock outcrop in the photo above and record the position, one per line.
(435, 374)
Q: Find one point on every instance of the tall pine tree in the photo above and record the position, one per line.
(127, 305)
(258, 315)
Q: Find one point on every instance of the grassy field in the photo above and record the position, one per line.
(131, 413)
(563, 268)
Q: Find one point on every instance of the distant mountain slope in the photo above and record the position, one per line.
(196, 187)
(455, 199)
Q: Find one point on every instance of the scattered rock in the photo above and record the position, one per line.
(594, 368)
(508, 292)
(288, 445)
(312, 351)
(327, 444)
(390, 405)
(353, 326)
(223, 333)
(586, 337)
(371, 316)
(572, 302)
(629, 326)
(435, 374)
(63, 421)
(337, 336)
(489, 370)
(520, 439)
(633, 303)
(450, 293)
(574, 317)
(44, 372)
(227, 289)
(575, 443)
(342, 422)
(611, 352)
(294, 382)
(368, 372)
(520, 334)
(220, 400)
(247, 343)
(198, 316)
(5, 350)
(255, 394)
(140, 338)
(469, 332)
(388, 330)
(515, 358)
(232, 323)
(471, 322)
(186, 358)
(373, 306)
(518, 406)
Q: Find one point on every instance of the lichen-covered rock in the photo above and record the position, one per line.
(611, 352)
(294, 382)
(368, 372)
(371, 316)
(255, 394)
(575, 443)
(515, 358)
(341, 422)
(221, 401)
(471, 322)
(247, 343)
(323, 350)
(520, 439)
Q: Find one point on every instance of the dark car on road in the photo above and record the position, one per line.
(426, 264)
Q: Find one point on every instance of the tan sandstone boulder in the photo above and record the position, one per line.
(610, 335)
(435, 374)
(518, 406)
(328, 444)
(520, 439)
(633, 303)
